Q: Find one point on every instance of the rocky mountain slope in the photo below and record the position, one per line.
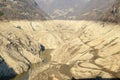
(20, 45)
(21, 9)
(57, 49)
(82, 9)
(75, 9)
(87, 50)
(17, 50)
(113, 14)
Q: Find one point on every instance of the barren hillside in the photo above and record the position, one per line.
(34, 48)
(113, 13)
(21, 9)
(75, 9)
(88, 50)
(79, 49)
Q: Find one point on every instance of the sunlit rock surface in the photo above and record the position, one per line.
(85, 46)
(79, 49)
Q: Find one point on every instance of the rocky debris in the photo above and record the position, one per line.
(113, 14)
(93, 53)
(21, 10)
(17, 50)
(87, 50)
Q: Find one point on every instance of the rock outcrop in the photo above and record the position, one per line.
(72, 49)
(113, 13)
(87, 50)
(17, 50)
(21, 10)
(93, 52)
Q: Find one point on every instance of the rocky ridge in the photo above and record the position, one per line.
(21, 10)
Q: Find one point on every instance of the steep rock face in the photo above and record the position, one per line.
(44, 32)
(113, 14)
(21, 9)
(87, 50)
(17, 50)
(20, 45)
(79, 49)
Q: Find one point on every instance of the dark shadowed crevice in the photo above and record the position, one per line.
(6, 73)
